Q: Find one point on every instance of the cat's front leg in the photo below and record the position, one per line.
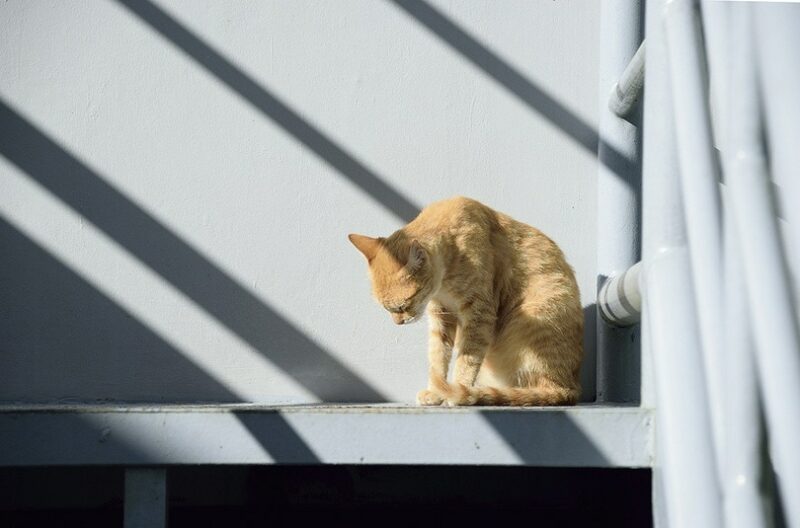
(440, 350)
(473, 340)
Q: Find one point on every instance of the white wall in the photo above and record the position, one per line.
(174, 208)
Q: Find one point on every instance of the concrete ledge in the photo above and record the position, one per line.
(131, 435)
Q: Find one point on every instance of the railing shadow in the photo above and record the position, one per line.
(445, 29)
(211, 288)
(273, 108)
(516, 83)
(30, 441)
(277, 437)
(537, 442)
(80, 327)
(178, 263)
(52, 316)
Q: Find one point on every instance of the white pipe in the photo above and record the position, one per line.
(774, 324)
(628, 89)
(619, 300)
(778, 47)
(693, 495)
(716, 32)
(744, 503)
(700, 191)
(688, 467)
(618, 191)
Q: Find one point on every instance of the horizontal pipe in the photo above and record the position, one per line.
(619, 300)
(628, 89)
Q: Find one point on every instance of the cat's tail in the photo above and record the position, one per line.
(457, 394)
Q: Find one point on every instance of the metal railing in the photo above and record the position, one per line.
(718, 299)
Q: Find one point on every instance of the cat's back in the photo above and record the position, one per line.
(465, 220)
(461, 214)
(455, 215)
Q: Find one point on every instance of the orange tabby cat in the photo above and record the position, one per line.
(497, 291)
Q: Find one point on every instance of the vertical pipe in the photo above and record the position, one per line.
(618, 195)
(688, 466)
(744, 503)
(700, 193)
(774, 323)
(744, 506)
(778, 48)
(145, 498)
(715, 17)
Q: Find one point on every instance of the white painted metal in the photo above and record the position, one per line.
(688, 468)
(774, 322)
(617, 189)
(700, 193)
(741, 477)
(777, 43)
(744, 504)
(628, 89)
(715, 18)
(583, 436)
(145, 498)
(620, 300)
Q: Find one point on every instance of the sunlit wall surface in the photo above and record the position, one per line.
(177, 180)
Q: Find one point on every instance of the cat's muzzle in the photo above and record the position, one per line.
(412, 319)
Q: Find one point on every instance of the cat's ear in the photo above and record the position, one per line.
(416, 256)
(368, 246)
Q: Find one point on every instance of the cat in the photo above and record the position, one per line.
(497, 291)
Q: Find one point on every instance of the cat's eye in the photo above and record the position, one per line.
(397, 310)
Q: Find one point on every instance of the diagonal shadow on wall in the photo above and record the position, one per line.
(51, 317)
(178, 263)
(75, 332)
(273, 108)
(516, 83)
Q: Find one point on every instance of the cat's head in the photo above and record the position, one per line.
(402, 275)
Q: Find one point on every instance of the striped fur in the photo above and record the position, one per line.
(499, 296)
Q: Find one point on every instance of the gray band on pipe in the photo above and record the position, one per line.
(619, 299)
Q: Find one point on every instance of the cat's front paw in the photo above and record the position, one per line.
(426, 397)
